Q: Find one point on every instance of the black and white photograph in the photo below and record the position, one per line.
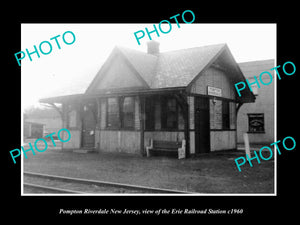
(154, 115)
(185, 113)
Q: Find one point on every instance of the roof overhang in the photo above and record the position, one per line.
(112, 93)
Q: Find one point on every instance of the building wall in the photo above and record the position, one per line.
(105, 139)
(219, 139)
(49, 117)
(129, 141)
(109, 140)
(72, 121)
(116, 140)
(215, 78)
(222, 140)
(119, 141)
(74, 142)
(177, 136)
(33, 130)
(191, 100)
(264, 103)
(119, 75)
(26, 130)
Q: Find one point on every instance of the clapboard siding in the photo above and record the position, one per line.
(163, 136)
(119, 75)
(74, 142)
(215, 78)
(222, 140)
(119, 141)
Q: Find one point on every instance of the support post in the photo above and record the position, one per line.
(142, 123)
(183, 103)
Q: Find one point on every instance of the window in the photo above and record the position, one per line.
(169, 113)
(256, 123)
(220, 114)
(150, 113)
(217, 114)
(113, 115)
(120, 112)
(232, 117)
(225, 115)
(128, 112)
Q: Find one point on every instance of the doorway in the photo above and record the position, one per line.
(88, 125)
(202, 126)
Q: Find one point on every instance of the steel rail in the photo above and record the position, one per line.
(106, 183)
(47, 188)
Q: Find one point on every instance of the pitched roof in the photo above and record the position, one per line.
(174, 68)
(144, 63)
(179, 68)
(167, 69)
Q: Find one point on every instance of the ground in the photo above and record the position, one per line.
(208, 173)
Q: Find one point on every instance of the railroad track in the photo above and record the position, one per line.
(45, 183)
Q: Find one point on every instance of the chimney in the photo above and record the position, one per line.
(153, 47)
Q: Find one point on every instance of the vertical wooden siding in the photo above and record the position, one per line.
(120, 141)
(219, 139)
(215, 78)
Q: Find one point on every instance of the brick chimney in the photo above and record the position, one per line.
(153, 47)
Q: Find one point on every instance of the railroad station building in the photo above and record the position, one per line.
(136, 97)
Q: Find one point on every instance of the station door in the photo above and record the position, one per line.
(202, 130)
(88, 125)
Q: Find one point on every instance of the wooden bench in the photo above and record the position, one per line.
(166, 147)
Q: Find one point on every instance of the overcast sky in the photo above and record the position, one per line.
(69, 70)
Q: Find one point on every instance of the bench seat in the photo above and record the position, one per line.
(163, 147)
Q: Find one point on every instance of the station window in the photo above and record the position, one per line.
(120, 112)
(169, 114)
(128, 112)
(225, 115)
(256, 123)
(220, 112)
(113, 115)
(150, 113)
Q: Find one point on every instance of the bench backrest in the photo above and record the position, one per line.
(166, 144)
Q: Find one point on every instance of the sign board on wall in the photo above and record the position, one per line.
(214, 91)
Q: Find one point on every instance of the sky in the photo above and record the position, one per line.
(69, 70)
